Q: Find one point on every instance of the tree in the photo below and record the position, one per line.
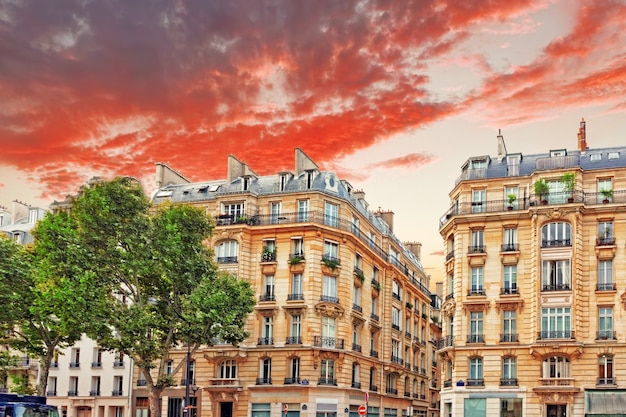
(154, 283)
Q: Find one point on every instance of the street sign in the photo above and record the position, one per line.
(362, 410)
(285, 409)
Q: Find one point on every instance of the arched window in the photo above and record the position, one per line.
(227, 252)
(228, 369)
(556, 234)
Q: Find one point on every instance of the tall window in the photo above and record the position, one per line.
(605, 233)
(556, 234)
(395, 350)
(556, 367)
(476, 334)
(331, 250)
(228, 369)
(510, 279)
(52, 386)
(395, 318)
(329, 331)
(396, 290)
(327, 372)
(95, 386)
(295, 329)
(605, 323)
(267, 331)
(605, 275)
(329, 288)
(331, 214)
(556, 323)
(303, 210)
(297, 246)
(118, 385)
(556, 275)
(604, 184)
(509, 371)
(268, 288)
(477, 285)
(296, 287)
(357, 295)
(509, 193)
(275, 209)
(605, 370)
(294, 370)
(355, 226)
(73, 387)
(235, 210)
(75, 358)
(355, 375)
(479, 201)
(556, 193)
(509, 241)
(475, 371)
(509, 326)
(265, 371)
(478, 241)
(227, 251)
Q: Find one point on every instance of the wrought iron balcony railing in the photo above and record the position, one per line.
(295, 297)
(606, 286)
(605, 241)
(475, 382)
(327, 381)
(555, 287)
(508, 382)
(265, 341)
(267, 297)
(555, 243)
(356, 347)
(606, 335)
(558, 334)
(374, 353)
(327, 342)
(329, 299)
(509, 337)
(510, 247)
(264, 381)
(291, 381)
(606, 381)
(293, 340)
(476, 338)
(509, 290)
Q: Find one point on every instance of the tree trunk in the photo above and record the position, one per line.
(154, 400)
(44, 371)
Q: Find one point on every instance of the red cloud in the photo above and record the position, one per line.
(410, 161)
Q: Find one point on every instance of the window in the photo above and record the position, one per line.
(613, 155)
(509, 326)
(595, 157)
(261, 409)
(509, 241)
(52, 386)
(605, 233)
(283, 182)
(605, 323)
(605, 370)
(32, 216)
(265, 372)
(235, 210)
(245, 183)
(511, 407)
(303, 210)
(75, 358)
(479, 201)
(294, 371)
(331, 250)
(295, 329)
(476, 284)
(297, 247)
(513, 162)
(391, 386)
(555, 367)
(118, 385)
(310, 176)
(227, 251)
(296, 287)
(141, 406)
(475, 371)
(327, 372)
(329, 289)
(375, 305)
(511, 195)
(275, 216)
(358, 264)
(556, 323)
(395, 351)
(268, 288)
(604, 185)
(372, 379)
(329, 331)
(355, 375)
(169, 367)
(509, 371)
(97, 357)
(267, 331)
(558, 152)
(476, 334)
(395, 318)
(95, 386)
(478, 241)
(357, 296)
(556, 234)
(509, 279)
(556, 192)
(73, 387)
(228, 369)
(331, 213)
(605, 275)
(355, 226)
(556, 275)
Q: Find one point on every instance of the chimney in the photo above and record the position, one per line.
(360, 195)
(237, 169)
(582, 136)
(439, 288)
(386, 216)
(166, 175)
(304, 163)
(501, 146)
(415, 248)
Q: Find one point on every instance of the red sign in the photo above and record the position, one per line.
(362, 410)
(285, 408)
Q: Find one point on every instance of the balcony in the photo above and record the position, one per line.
(329, 299)
(357, 308)
(396, 296)
(561, 334)
(555, 287)
(227, 259)
(222, 383)
(395, 326)
(327, 381)
(556, 382)
(397, 359)
(606, 335)
(475, 382)
(293, 340)
(94, 393)
(268, 256)
(450, 255)
(447, 383)
(291, 381)
(374, 388)
(117, 393)
(356, 385)
(473, 249)
(183, 382)
(605, 241)
(606, 286)
(356, 347)
(265, 341)
(606, 381)
(556, 243)
(444, 342)
(513, 290)
(509, 337)
(510, 247)
(267, 297)
(264, 381)
(392, 391)
(476, 338)
(476, 291)
(374, 353)
(508, 382)
(295, 297)
(374, 317)
(407, 394)
(96, 364)
(52, 393)
(72, 393)
(141, 383)
(54, 365)
(118, 364)
(407, 335)
(327, 342)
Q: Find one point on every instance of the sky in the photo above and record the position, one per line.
(393, 96)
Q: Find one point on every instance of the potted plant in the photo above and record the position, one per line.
(269, 254)
(409, 305)
(569, 182)
(541, 189)
(511, 199)
(296, 259)
(608, 194)
(359, 274)
(330, 263)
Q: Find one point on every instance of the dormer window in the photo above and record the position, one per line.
(310, 176)
(478, 164)
(594, 157)
(513, 162)
(558, 152)
(613, 155)
(32, 216)
(245, 183)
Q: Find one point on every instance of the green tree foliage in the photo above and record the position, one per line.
(150, 282)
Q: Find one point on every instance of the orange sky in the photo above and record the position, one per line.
(389, 94)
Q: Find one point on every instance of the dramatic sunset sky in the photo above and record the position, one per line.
(392, 95)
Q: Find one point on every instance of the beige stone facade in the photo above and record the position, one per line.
(343, 312)
(534, 300)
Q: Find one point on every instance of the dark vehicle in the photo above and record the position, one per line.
(13, 405)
